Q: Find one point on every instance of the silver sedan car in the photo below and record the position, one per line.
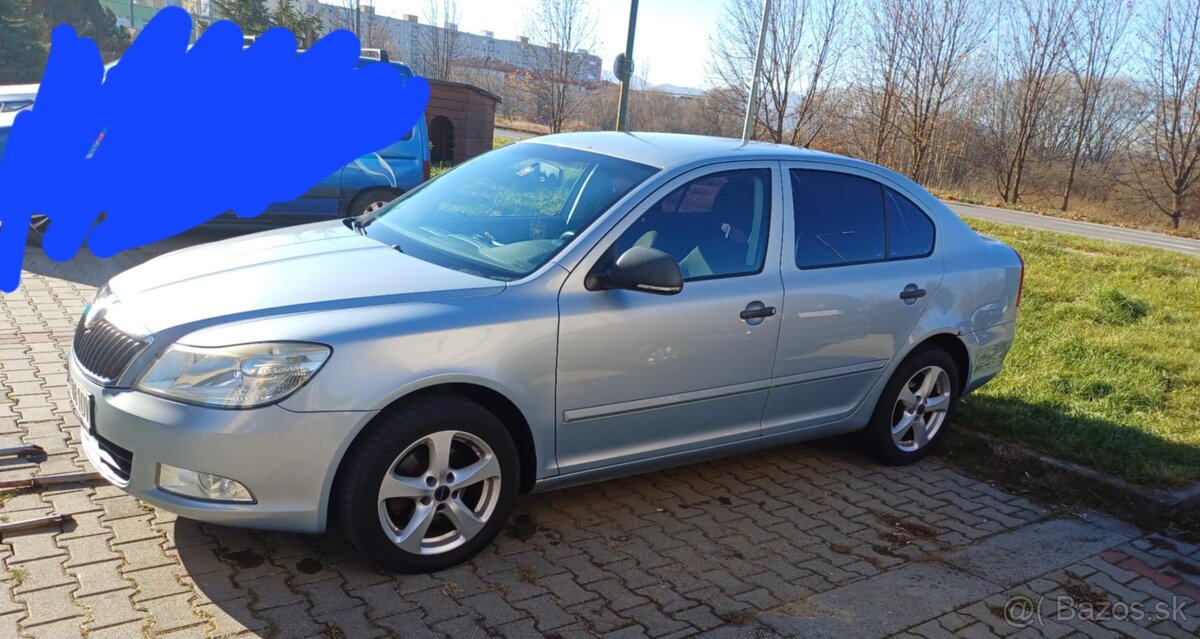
(562, 310)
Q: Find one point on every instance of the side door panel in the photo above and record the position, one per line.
(642, 375)
(840, 327)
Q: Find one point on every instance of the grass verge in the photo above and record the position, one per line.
(1105, 371)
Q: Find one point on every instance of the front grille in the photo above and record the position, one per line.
(105, 351)
(114, 458)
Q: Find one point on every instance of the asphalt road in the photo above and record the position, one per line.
(512, 134)
(1085, 229)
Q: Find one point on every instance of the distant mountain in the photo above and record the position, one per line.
(676, 89)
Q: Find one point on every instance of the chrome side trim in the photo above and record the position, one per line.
(608, 410)
(829, 373)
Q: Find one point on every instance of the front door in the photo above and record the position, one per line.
(643, 375)
(859, 271)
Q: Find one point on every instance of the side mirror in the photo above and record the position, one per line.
(639, 269)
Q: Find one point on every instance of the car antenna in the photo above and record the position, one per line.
(814, 136)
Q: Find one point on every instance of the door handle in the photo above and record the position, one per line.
(912, 293)
(757, 310)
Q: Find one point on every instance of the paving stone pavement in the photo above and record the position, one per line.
(806, 541)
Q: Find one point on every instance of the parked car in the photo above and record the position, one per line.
(38, 223)
(369, 182)
(561, 310)
(6, 122)
(12, 102)
(15, 97)
(361, 186)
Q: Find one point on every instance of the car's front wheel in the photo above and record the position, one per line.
(370, 201)
(913, 411)
(430, 485)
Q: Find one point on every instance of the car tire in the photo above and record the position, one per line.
(420, 453)
(915, 407)
(369, 201)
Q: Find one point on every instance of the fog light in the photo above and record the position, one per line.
(197, 485)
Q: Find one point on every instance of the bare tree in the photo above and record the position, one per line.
(802, 48)
(1172, 41)
(881, 92)
(372, 30)
(934, 50)
(440, 46)
(1092, 58)
(556, 79)
(1035, 45)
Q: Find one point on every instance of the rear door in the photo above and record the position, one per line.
(859, 268)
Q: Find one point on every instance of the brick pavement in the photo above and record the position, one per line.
(802, 541)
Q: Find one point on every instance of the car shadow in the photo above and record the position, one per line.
(286, 583)
(1123, 450)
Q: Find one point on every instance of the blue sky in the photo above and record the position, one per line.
(672, 35)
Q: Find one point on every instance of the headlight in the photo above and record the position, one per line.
(241, 376)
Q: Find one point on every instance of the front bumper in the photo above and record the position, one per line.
(286, 459)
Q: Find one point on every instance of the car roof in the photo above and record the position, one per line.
(665, 150)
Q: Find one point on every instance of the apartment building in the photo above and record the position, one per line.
(404, 37)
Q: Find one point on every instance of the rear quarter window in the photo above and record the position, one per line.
(910, 231)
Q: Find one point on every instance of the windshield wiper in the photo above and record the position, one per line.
(356, 224)
(396, 246)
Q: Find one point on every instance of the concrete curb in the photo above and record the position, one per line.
(1155, 502)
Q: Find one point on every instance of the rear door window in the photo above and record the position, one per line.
(839, 219)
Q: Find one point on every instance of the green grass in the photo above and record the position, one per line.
(1106, 367)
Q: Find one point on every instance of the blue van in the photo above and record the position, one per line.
(372, 180)
(360, 187)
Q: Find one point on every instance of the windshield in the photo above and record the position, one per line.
(506, 213)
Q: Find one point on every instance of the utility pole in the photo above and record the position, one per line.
(131, 27)
(752, 106)
(625, 69)
(357, 21)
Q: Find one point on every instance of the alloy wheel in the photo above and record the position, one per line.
(439, 493)
(374, 206)
(921, 408)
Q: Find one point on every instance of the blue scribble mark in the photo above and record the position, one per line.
(188, 134)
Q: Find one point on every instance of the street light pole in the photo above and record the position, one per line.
(752, 106)
(627, 72)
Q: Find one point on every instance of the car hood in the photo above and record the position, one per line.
(291, 270)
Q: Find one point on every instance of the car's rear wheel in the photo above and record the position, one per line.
(370, 201)
(430, 485)
(915, 407)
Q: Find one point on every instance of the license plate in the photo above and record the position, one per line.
(81, 402)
